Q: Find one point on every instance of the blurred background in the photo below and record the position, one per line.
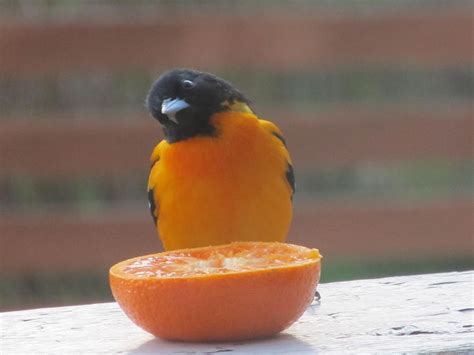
(375, 100)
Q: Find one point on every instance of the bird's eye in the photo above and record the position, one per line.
(188, 84)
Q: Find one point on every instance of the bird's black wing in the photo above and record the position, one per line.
(276, 132)
(152, 205)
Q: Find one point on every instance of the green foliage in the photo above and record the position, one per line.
(310, 89)
(395, 181)
(358, 268)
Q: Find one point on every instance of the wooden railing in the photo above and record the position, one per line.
(408, 314)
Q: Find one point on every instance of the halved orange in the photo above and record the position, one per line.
(235, 291)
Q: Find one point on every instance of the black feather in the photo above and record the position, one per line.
(280, 137)
(290, 176)
(152, 205)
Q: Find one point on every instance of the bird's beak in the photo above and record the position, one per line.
(170, 107)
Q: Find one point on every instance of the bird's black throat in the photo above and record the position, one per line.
(191, 123)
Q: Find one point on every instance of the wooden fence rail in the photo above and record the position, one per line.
(43, 241)
(110, 145)
(291, 40)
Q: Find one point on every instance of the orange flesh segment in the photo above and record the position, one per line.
(238, 257)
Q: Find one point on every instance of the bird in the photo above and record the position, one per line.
(221, 173)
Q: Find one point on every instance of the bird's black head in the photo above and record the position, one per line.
(183, 101)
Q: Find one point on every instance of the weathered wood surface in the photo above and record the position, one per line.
(424, 313)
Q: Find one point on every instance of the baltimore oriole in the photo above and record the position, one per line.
(221, 174)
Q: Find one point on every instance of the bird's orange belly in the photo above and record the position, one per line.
(211, 197)
(202, 214)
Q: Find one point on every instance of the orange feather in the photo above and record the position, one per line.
(212, 190)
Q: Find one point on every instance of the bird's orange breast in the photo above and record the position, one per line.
(229, 187)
